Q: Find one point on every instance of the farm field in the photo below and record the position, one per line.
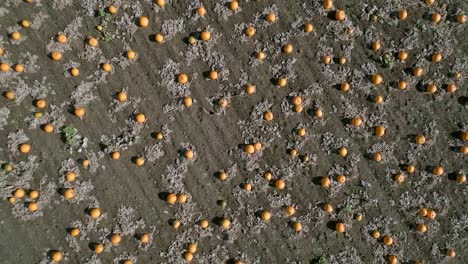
(233, 131)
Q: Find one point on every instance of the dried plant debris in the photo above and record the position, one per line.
(127, 223)
(172, 27)
(15, 139)
(348, 255)
(4, 113)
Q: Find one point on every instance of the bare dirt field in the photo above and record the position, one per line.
(219, 131)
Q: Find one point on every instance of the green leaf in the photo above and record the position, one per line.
(321, 260)
(102, 12)
(387, 60)
(70, 133)
(106, 37)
